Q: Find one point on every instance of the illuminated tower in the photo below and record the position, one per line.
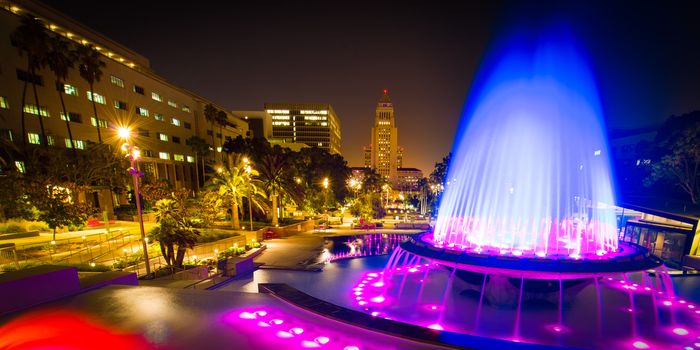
(385, 139)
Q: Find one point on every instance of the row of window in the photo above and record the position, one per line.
(35, 139)
(141, 91)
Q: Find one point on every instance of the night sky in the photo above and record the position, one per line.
(646, 58)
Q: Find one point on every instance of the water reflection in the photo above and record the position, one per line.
(370, 244)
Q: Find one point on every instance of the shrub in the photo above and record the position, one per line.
(14, 228)
(215, 235)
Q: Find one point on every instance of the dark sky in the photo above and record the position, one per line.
(646, 56)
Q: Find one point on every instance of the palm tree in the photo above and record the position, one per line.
(173, 229)
(90, 67)
(210, 115)
(276, 177)
(234, 181)
(31, 38)
(221, 120)
(201, 149)
(60, 59)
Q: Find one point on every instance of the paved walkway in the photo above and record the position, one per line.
(298, 252)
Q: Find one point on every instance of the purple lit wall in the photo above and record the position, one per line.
(530, 173)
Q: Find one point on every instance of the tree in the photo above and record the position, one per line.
(210, 115)
(56, 204)
(678, 160)
(90, 66)
(277, 178)
(201, 150)
(174, 229)
(60, 60)
(233, 182)
(221, 119)
(31, 39)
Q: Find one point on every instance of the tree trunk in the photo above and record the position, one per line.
(24, 123)
(235, 222)
(275, 219)
(163, 251)
(170, 258)
(65, 114)
(44, 140)
(196, 170)
(94, 110)
(180, 257)
(221, 142)
(204, 172)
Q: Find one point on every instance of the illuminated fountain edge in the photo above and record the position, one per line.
(629, 258)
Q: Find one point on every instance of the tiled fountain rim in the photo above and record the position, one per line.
(444, 339)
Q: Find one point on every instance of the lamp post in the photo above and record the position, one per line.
(325, 190)
(134, 155)
(248, 170)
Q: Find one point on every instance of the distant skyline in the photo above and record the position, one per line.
(243, 54)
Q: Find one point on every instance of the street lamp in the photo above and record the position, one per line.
(134, 155)
(248, 171)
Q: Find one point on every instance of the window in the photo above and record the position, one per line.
(116, 81)
(210, 133)
(176, 139)
(138, 90)
(32, 109)
(3, 102)
(142, 111)
(144, 133)
(218, 149)
(72, 117)
(175, 121)
(20, 166)
(30, 78)
(103, 122)
(187, 125)
(79, 144)
(179, 157)
(33, 138)
(156, 97)
(98, 98)
(70, 90)
(218, 136)
(164, 155)
(120, 105)
(162, 137)
(159, 117)
(186, 109)
(147, 153)
(172, 103)
(7, 134)
(190, 159)
(50, 140)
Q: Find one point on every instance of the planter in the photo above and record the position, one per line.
(19, 235)
(235, 266)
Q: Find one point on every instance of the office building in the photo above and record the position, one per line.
(384, 148)
(313, 124)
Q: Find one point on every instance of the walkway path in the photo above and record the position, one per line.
(298, 252)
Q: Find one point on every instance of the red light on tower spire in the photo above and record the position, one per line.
(386, 91)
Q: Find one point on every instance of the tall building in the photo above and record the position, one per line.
(314, 124)
(161, 116)
(259, 123)
(384, 148)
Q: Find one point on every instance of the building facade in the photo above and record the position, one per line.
(407, 179)
(313, 124)
(160, 115)
(384, 148)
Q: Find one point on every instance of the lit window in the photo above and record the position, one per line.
(120, 105)
(70, 90)
(190, 159)
(33, 138)
(73, 117)
(280, 123)
(156, 97)
(172, 103)
(186, 109)
(179, 157)
(159, 117)
(79, 144)
(218, 149)
(162, 137)
(175, 121)
(280, 117)
(50, 140)
(164, 155)
(32, 109)
(103, 122)
(138, 89)
(3, 103)
(142, 111)
(20, 166)
(116, 81)
(98, 98)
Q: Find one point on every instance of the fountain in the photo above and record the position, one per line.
(526, 247)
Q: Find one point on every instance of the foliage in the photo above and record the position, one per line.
(161, 189)
(175, 231)
(277, 179)
(676, 156)
(207, 236)
(233, 182)
(56, 205)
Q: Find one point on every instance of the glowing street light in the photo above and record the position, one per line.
(249, 170)
(325, 182)
(134, 155)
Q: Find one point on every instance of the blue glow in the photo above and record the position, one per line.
(530, 173)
